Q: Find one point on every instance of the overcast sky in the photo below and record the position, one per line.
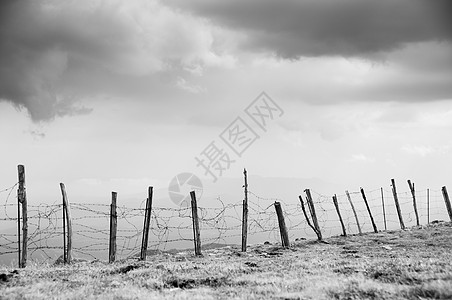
(119, 95)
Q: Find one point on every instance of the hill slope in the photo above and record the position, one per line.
(411, 264)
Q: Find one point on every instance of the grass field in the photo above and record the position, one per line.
(411, 264)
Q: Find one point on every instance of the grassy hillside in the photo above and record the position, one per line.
(411, 264)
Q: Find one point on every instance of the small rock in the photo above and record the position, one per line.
(128, 268)
(6, 277)
(251, 264)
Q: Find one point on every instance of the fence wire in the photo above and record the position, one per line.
(171, 228)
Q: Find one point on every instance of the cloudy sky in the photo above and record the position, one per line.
(118, 95)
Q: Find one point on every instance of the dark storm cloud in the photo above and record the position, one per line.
(30, 64)
(55, 53)
(350, 28)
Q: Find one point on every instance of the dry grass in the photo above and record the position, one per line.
(411, 264)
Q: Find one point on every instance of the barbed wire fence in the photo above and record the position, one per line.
(171, 228)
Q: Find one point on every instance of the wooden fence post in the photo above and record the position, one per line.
(113, 228)
(282, 225)
(396, 200)
(67, 215)
(368, 210)
(64, 233)
(313, 214)
(245, 214)
(336, 204)
(196, 233)
(383, 204)
(148, 221)
(413, 194)
(306, 216)
(146, 225)
(354, 211)
(447, 201)
(22, 199)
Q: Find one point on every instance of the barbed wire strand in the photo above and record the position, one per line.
(172, 227)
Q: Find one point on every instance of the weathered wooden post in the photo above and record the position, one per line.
(22, 198)
(146, 225)
(413, 194)
(22, 201)
(313, 214)
(113, 228)
(447, 201)
(396, 200)
(307, 217)
(67, 255)
(245, 214)
(64, 233)
(196, 233)
(383, 204)
(336, 204)
(354, 211)
(368, 210)
(148, 221)
(282, 225)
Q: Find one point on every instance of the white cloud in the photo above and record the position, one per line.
(192, 88)
(362, 158)
(422, 150)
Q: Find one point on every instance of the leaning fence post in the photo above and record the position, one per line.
(245, 214)
(196, 233)
(64, 234)
(146, 225)
(383, 204)
(368, 210)
(396, 200)
(113, 228)
(313, 214)
(143, 236)
(149, 213)
(447, 201)
(413, 193)
(22, 199)
(336, 204)
(282, 225)
(354, 211)
(306, 216)
(67, 215)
